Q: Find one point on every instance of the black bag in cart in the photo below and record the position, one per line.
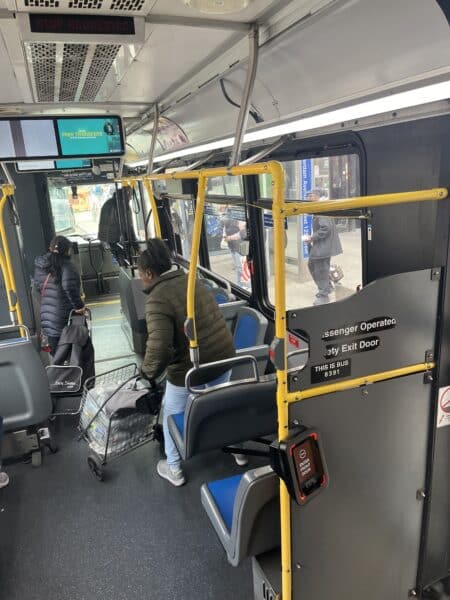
(74, 359)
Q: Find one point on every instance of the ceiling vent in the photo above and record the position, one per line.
(69, 72)
(101, 63)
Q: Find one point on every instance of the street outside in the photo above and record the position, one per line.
(300, 288)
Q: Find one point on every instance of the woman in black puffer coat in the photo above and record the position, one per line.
(59, 284)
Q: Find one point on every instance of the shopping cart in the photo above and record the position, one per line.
(113, 431)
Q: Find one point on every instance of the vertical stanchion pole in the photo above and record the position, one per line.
(10, 282)
(196, 235)
(282, 389)
(149, 187)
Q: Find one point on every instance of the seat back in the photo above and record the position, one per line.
(261, 354)
(249, 329)
(256, 515)
(229, 415)
(245, 512)
(25, 396)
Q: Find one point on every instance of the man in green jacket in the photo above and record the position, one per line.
(167, 346)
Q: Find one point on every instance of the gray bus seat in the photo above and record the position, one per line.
(243, 371)
(25, 396)
(132, 302)
(247, 325)
(245, 512)
(228, 414)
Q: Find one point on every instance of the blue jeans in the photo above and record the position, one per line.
(237, 264)
(174, 402)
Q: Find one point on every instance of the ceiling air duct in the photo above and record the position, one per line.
(217, 7)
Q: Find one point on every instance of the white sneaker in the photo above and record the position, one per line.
(4, 479)
(241, 460)
(174, 476)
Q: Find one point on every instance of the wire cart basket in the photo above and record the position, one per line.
(110, 432)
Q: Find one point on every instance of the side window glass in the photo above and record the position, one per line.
(226, 235)
(323, 253)
(182, 216)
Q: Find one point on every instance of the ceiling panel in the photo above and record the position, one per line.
(166, 57)
(337, 58)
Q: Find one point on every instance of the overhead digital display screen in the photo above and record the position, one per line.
(53, 165)
(35, 165)
(60, 137)
(82, 24)
(81, 163)
(90, 137)
(23, 138)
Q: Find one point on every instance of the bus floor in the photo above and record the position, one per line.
(67, 536)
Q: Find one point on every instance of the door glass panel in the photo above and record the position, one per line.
(323, 253)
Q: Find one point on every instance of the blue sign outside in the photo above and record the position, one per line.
(268, 220)
(306, 225)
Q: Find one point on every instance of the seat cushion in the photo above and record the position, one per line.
(224, 493)
(179, 422)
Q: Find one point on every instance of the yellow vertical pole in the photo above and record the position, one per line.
(282, 388)
(151, 197)
(14, 306)
(195, 248)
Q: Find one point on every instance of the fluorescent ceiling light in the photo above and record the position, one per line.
(409, 99)
(217, 7)
(225, 143)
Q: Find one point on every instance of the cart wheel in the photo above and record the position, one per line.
(36, 458)
(95, 467)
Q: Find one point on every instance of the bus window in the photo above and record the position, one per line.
(62, 211)
(323, 254)
(76, 210)
(228, 186)
(226, 235)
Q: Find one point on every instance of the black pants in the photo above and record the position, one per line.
(320, 272)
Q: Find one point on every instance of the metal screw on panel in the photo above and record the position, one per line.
(295, 422)
(365, 391)
(412, 594)
(294, 315)
(298, 566)
(295, 378)
(420, 494)
(428, 376)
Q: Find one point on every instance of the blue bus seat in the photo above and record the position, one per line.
(245, 512)
(247, 325)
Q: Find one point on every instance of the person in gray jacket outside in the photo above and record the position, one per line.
(323, 243)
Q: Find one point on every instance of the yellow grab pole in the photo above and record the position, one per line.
(195, 248)
(6, 279)
(310, 208)
(14, 307)
(151, 197)
(282, 389)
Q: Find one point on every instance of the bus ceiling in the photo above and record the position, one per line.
(115, 59)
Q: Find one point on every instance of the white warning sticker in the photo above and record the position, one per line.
(443, 413)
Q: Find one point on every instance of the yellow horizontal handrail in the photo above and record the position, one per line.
(300, 208)
(349, 384)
